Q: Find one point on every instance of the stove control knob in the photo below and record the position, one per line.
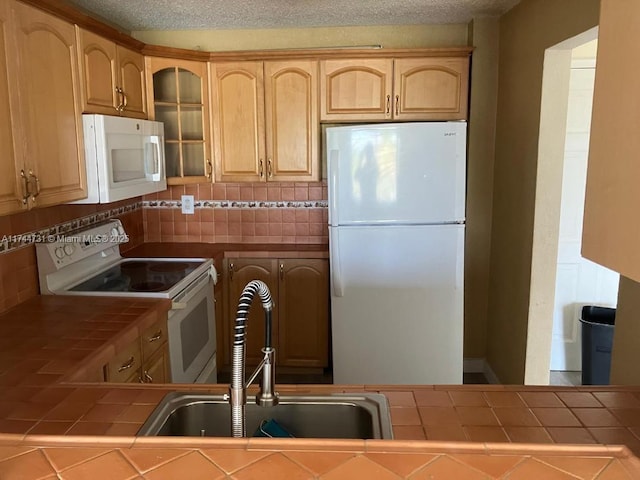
(59, 252)
(69, 249)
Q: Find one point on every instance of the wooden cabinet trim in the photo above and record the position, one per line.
(304, 54)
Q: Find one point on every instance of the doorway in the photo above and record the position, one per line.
(551, 182)
(579, 281)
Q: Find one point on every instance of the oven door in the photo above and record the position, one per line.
(192, 333)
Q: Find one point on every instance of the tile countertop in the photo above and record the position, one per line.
(471, 431)
(218, 251)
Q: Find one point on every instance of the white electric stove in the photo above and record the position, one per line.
(88, 262)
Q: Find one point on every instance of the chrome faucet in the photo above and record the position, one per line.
(267, 396)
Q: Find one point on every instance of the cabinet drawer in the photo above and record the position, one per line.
(123, 366)
(153, 338)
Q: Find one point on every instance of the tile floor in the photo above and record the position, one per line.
(567, 379)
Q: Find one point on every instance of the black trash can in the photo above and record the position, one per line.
(597, 340)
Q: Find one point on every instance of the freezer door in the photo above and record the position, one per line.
(397, 304)
(396, 173)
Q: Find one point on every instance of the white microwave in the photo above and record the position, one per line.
(125, 158)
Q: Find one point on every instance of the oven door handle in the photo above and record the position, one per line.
(178, 305)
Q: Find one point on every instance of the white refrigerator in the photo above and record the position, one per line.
(396, 239)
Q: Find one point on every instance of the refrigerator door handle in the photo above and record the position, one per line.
(334, 158)
(334, 264)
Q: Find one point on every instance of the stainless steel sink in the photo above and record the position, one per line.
(303, 416)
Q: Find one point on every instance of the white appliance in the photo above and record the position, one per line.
(396, 238)
(88, 262)
(125, 158)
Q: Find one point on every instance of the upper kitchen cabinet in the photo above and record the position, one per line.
(113, 77)
(12, 191)
(433, 88)
(430, 88)
(356, 89)
(47, 121)
(265, 120)
(611, 229)
(179, 89)
(238, 121)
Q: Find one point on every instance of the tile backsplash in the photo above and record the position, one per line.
(239, 213)
(293, 213)
(19, 232)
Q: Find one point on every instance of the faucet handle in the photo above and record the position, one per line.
(267, 397)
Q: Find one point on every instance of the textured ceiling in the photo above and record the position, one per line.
(135, 15)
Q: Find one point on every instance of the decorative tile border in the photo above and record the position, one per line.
(9, 243)
(230, 204)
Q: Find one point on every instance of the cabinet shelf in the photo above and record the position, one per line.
(180, 99)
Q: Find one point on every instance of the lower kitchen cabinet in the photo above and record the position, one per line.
(156, 369)
(145, 360)
(303, 320)
(300, 291)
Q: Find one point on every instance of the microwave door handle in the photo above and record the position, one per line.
(156, 175)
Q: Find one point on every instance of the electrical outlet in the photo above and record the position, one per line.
(187, 204)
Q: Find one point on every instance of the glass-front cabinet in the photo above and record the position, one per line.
(180, 101)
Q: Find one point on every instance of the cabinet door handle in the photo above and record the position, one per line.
(209, 169)
(25, 187)
(388, 104)
(282, 271)
(231, 271)
(261, 169)
(124, 100)
(36, 180)
(269, 168)
(147, 378)
(119, 106)
(127, 365)
(156, 337)
(397, 104)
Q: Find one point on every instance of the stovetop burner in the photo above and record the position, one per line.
(139, 276)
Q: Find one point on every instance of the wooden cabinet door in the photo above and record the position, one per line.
(303, 318)
(358, 89)
(99, 74)
(611, 229)
(131, 79)
(51, 113)
(178, 95)
(113, 77)
(11, 189)
(239, 272)
(238, 121)
(431, 88)
(291, 105)
(155, 368)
